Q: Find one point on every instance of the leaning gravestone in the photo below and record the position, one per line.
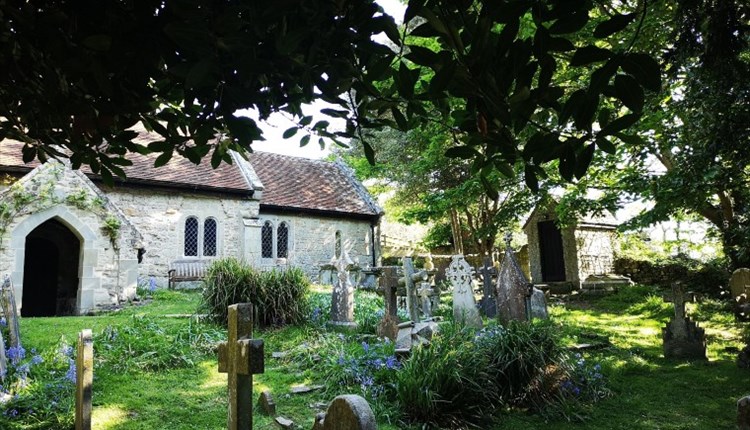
(538, 304)
(240, 357)
(487, 303)
(342, 297)
(388, 326)
(459, 274)
(347, 412)
(8, 299)
(683, 339)
(513, 290)
(739, 286)
(84, 379)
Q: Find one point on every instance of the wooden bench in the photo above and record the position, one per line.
(186, 270)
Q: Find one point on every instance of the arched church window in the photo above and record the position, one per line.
(337, 249)
(266, 240)
(209, 237)
(282, 240)
(191, 237)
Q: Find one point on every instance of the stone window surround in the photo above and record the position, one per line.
(201, 227)
(275, 223)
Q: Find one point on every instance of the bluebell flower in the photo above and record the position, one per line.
(36, 359)
(3, 322)
(66, 350)
(391, 362)
(70, 375)
(16, 354)
(341, 360)
(365, 346)
(378, 363)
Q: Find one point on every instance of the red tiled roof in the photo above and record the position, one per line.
(178, 172)
(301, 183)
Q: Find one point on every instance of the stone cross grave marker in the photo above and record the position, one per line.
(426, 292)
(84, 379)
(682, 338)
(459, 274)
(513, 289)
(8, 299)
(411, 290)
(347, 412)
(388, 326)
(240, 357)
(342, 297)
(488, 303)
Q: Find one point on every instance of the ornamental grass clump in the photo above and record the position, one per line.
(279, 296)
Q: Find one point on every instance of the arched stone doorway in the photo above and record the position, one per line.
(51, 270)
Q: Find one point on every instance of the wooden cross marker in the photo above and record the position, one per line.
(240, 357)
(84, 379)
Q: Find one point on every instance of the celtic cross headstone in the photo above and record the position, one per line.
(459, 274)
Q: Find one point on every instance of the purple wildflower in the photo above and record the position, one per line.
(16, 354)
(70, 375)
(391, 362)
(36, 359)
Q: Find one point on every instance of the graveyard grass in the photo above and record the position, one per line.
(648, 392)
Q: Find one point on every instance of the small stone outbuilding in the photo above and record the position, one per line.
(571, 257)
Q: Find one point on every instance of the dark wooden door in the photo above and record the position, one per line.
(551, 252)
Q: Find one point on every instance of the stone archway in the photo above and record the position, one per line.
(87, 281)
(50, 273)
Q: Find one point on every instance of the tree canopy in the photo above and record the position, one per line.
(74, 76)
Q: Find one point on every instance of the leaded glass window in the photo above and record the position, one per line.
(266, 240)
(191, 237)
(282, 240)
(209, 238)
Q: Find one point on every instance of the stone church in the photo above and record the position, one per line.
(71, 244)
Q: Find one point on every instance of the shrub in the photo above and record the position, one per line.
(279, 297)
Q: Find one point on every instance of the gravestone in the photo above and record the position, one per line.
(739, 286)
(683, 339)
(459, 274)
(84, 379)
(240, 357)
(743, 413)
(3, 358)
(538, 304)
(266, 403)
(411, 289)
(513, 289)
(388, 326)
(347, 412)
(8, 300)
(342, 297)
(426, 292)
(488, 303)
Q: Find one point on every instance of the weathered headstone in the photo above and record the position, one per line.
(3, 358)
(683, 339)
(342, 297)
(425, 292)
(743, 413)
(513, 289)
(411, 290)
(240, 357)
(84, 379)
(465, 311)
(488, 303)
(388, 326)
(8, 300)
(538, 304)
(347, 412)
(739, 286)
(266, 403)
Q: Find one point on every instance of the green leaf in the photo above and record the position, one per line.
(489, 188)
(570, 23)
(304, 141)
(335, 113)
(631, 139)
(463, 152)
(369, 153)
(531, 180)
(584, 160)
(107, 177)
(613, 25)
(620, 124)
(290, 132)
(605, 145)
(403, 125)
(422, 56)
(589, 54)
(505, 168)
(572, 105)
(645, 69)
(98, 42)
(163, 159)
(567, 164)
(442, 78)
(630, 92)
(306, 120)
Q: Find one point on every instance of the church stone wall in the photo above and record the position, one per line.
(160, 217)
(313, 241)
(596, 250)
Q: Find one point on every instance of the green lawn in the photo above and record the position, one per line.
(648, 392)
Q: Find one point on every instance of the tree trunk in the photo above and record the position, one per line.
(458, 241)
